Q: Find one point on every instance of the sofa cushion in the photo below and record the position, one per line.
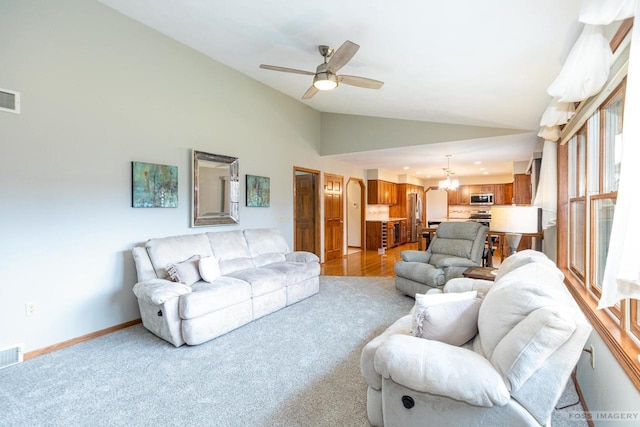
(185, 272)
(454, 322)
(231, 250)
(266, 245)
(521, 258)
(209, 297)
(265, 241)
(295, 272)
(514, 298)
(209, 268)
(169, 250)
(420, 272)
(262, 280)
(456, 247)
(458, 230)
(530, 343)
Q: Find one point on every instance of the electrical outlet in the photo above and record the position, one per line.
(30, 309)
(593, 358)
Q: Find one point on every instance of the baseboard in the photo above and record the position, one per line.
(581, 398)
(73, 341)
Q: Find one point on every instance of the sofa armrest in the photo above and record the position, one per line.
(454, 261)
(442, 369)
(301, 256)
(464, 284)
(415, 256)
(159, 291)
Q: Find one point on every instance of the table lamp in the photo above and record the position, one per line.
(514, 221)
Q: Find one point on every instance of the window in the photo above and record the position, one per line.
(589, 173)
(594, 155)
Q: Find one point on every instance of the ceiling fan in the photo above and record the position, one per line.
(325, 77)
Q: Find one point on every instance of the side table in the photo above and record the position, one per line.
(484, 273)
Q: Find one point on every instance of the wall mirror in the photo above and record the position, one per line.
(216, 189)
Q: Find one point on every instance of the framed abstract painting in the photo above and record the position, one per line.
(153, 185)
(258, 191)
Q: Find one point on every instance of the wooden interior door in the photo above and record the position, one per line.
(305, 213)
(333, 216)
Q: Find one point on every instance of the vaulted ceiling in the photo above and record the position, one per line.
(465, 62)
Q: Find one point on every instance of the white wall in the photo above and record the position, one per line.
(354, 214)
(607, 387)
(100, 90)
(344, 133)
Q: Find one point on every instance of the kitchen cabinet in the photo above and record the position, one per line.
(404, 236)
(391, 235)
(463, 195)
(503, 193)
(452, 197)
(498, 194)
(385, 234)
(376, 235)
(481, 189)
(381, 192)
(508, 194)
(522, 189)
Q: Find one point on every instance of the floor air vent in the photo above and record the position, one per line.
(10, 355)
(9, 101)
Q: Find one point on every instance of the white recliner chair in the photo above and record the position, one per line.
(530, 334)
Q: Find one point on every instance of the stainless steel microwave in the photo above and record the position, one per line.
(481, 199)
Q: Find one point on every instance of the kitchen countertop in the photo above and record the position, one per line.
(459, 220)
(386, 220)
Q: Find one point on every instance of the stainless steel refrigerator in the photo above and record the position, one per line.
(414, 202)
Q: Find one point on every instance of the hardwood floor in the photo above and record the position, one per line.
(369, 263)
(366, 263)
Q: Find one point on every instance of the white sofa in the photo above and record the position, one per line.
(258, 275)
(529, 334)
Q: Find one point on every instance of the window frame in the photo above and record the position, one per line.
(618, 326)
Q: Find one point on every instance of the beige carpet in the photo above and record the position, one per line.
(296, 367)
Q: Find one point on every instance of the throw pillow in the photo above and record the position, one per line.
(425, 300)
(185, 272)
(209, 268)
(453, 323)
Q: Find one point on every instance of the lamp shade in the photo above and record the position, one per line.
(514, 219)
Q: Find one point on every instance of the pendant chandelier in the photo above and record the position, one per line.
(448, 183)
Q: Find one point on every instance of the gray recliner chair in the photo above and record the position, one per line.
(455, 247)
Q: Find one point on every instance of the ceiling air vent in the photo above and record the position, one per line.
(9, 101)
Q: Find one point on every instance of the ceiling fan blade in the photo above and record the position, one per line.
(286, 70)
(360, 82)
(310, 92)
(341, 56)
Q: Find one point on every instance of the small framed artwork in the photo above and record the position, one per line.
(258, 191)
(153, 185)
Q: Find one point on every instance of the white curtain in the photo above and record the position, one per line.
(599, 12)
(547, 192)
(586, 69)
(557, 113)
(550, 133)
(622, 271)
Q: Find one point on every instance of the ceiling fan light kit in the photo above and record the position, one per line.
(325, 81)
(325, 77)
